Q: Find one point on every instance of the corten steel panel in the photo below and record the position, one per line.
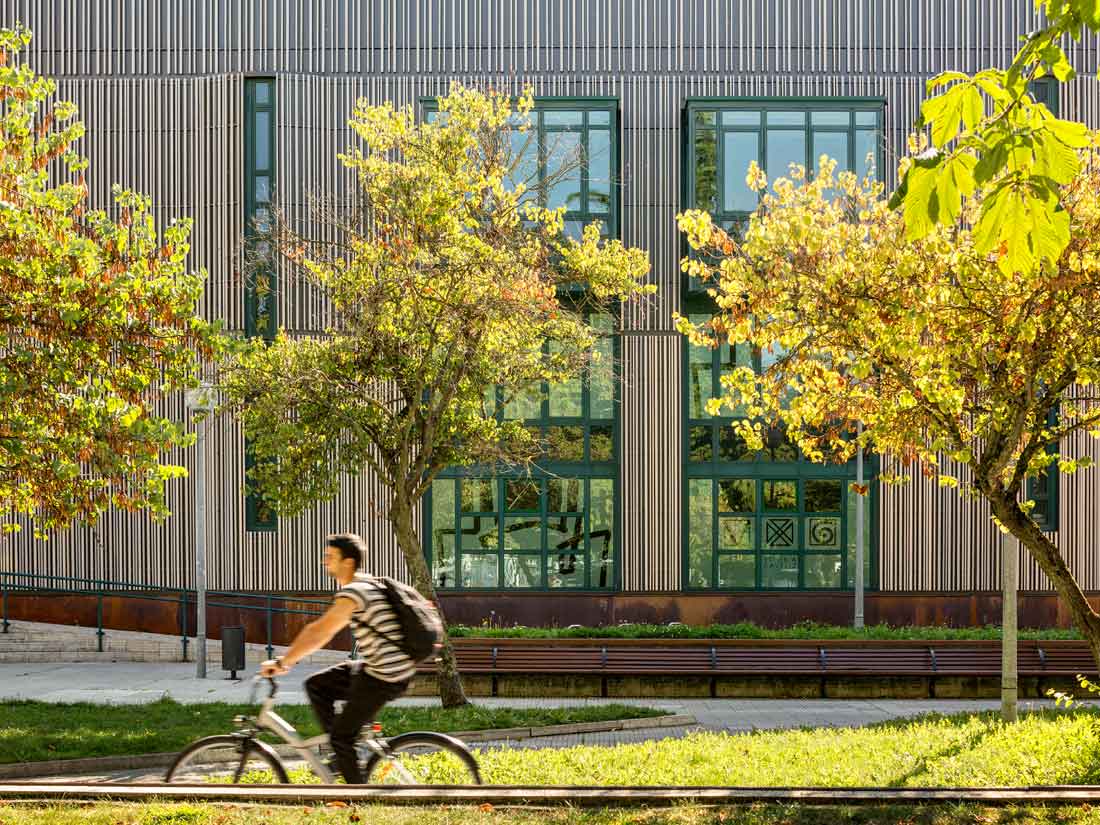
(162, 95)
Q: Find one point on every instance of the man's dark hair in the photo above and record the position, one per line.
(349, 545)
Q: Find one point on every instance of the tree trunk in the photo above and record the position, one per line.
(1050, 561)
(450, 682)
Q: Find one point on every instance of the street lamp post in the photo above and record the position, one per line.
(200, 400)
(860, 584)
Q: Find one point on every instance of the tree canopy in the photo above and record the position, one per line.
(97, 317)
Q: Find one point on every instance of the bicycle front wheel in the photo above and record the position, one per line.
(227, 759)
(423, 759)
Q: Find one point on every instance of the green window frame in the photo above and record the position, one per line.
(722, 135)
(558, 527)
(554, 528)
(559, 126)
(765, 520)
(261, 285)
(1044, 489)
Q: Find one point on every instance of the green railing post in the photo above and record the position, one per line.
(5, 601)
(183, 622)
(270, 649)
(99, 620)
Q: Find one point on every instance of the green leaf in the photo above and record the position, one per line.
(946, 112)
(922, 185)
(1053, 159)
(992, 162)
(955, 180)
(943, 79)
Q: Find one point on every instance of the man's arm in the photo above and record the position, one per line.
(313, 636)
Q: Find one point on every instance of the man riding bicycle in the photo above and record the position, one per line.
(381, 672)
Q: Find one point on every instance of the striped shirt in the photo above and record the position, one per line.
(374, 624)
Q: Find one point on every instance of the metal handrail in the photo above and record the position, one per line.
(12, 581)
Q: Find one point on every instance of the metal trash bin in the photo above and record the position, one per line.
(233, 649)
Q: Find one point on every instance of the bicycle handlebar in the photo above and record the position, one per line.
(273, 688)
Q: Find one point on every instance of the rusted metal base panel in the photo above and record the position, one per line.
(597, 797)
(121, 612)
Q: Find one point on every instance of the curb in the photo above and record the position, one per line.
(70, 767)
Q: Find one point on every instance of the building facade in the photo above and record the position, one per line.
(647, 508)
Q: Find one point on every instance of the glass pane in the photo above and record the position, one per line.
(263, 140)
(525, 159)
(522, 570)
(263, 94)
(263, 189)
(479, 495)
(823, 533)
(786, 118)
(601, 521)
(822, 571)
(566, 569)
(739, 149)
(700, 380)
(777, 447)
(564, 533)
(479, 533)
(866, 118)
(522, 495)
(731, 446)
(699, 444)
(565, 443)
(561, 117)
(574, 230)
(831, 118)
(598, 118)
(443, 533)
(851, 507)
(729, 358)
(700, 533)
(480, 570)
(704, 118)
(779, 572)
(784, 148)
(780, 533)
(737, 572)
(822, 495)
(601, 443)
(780, 495)
(599, 172)
(736, 534)
(601, 374)
(740, 117)
(706, 170)
(833, 144)
(564, 495)
(525, 403)
(523, 533)
(866, 154)
(565, 398)
(737, 495)
(563, 156)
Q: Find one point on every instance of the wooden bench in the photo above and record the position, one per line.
(838, 660)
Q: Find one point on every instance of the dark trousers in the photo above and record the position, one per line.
(363, 697)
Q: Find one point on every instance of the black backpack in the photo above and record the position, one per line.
(421, 627)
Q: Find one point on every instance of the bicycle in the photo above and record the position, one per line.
(416, 758)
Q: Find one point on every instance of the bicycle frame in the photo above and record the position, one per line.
(268, 720)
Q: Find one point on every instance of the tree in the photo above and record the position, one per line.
(447, 279)
(97, 315)
(988, 132)
(947, 361)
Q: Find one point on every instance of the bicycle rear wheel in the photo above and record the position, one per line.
(423, 759)
(227, 759)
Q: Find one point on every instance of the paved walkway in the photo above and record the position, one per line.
(134, 682)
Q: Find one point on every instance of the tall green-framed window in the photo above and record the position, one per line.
(260, 304)
(577, 137)
(1043, 490)
(766, 519)
(555, 528)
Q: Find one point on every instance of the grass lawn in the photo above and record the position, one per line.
(748, 630)
(184, 814)
(1043, 748)
(37, 731)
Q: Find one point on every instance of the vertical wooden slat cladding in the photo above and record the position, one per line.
(161, 92)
